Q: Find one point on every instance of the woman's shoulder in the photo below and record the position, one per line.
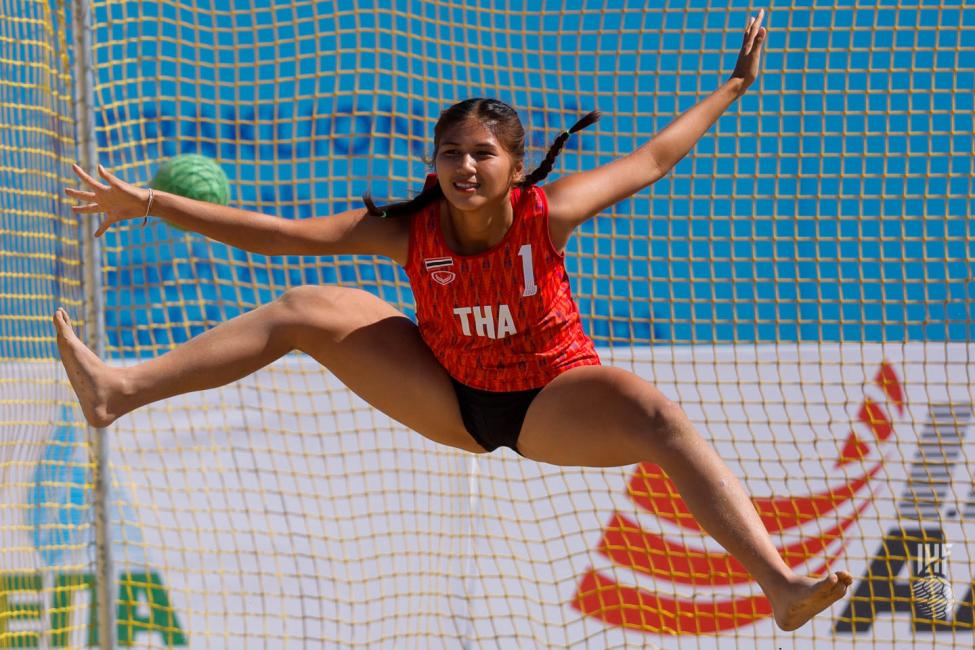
(531, 200)
(420, 230)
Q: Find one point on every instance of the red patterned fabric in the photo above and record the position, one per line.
(504, 319)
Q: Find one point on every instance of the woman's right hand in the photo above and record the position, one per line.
(116, 198)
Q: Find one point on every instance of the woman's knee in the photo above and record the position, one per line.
(304, 302)
(664, 421)
(311, 309)
(330, 312)
(309, 297)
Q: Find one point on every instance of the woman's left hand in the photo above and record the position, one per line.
(750, 57)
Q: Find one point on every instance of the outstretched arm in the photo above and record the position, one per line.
(348, 233)
(574, 199)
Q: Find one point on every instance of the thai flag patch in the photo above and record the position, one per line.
(438, 269)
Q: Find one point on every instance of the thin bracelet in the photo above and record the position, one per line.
(145, 219)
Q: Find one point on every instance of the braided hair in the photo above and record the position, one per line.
(503, 122)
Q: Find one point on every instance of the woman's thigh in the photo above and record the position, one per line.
(599, 416)
(378, 353)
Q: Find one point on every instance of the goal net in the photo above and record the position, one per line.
(800, 284)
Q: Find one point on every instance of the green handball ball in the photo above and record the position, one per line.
(193, 176)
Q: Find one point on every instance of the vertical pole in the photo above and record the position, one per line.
(95, 325)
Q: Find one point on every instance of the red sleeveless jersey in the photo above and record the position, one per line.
(504, 319)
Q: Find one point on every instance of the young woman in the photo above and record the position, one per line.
(499, 356)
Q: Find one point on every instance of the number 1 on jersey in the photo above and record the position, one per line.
(525, 252)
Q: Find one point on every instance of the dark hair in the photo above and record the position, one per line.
(503, 122)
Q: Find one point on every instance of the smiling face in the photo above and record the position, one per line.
(474, 170)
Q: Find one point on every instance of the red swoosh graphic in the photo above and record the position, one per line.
(627, 545)
(853, 450)
(888, 381)
(654, 492)
(639, 609)
(874, 417)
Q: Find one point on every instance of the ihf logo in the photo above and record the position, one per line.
(930, 587)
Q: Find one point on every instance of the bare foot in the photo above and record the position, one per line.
(808, 597)
(91, 379)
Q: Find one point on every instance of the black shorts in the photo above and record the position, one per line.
(493, 419)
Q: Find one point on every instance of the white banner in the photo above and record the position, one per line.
(284, 512)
